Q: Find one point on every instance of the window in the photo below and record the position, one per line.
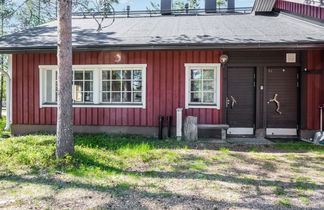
(82, 88)
(202, 86)
(98, 85)
(121, 86)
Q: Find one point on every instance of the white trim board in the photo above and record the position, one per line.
(214, 66)
(281, 132)
(240, 131)
(97, 84)
(98, 67)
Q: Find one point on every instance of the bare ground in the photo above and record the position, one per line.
(240, 177)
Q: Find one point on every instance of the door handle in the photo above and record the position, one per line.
(275, 100)
(233, 102)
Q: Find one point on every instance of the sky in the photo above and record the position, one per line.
(142, 4)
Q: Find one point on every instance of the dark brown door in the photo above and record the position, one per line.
(241, 101)
(281, 101)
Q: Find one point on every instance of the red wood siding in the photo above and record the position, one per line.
(302, 9)
(165, 88)
(315, 88)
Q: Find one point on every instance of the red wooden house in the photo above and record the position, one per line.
(146, 66)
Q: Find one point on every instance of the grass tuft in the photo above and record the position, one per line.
(223, 149)
(285, 202)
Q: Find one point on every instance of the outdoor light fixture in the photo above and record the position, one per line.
(223, 59)
(118, 57)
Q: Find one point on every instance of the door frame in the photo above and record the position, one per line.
(260, 99)
(261, 60)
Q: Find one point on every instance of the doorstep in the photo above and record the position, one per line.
(256, 141)
(245, 141)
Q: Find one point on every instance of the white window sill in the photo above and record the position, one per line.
(203, 107)
(99, 106)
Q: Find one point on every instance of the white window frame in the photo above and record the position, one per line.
(217, 68)
(97, 78)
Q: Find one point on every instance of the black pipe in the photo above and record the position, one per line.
(187, 8)
(161, 118)
(128, 10)
(169, 125)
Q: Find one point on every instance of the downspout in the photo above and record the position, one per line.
(8, 92)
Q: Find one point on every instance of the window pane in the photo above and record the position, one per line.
(78, 75)
(127, 86)
(105, 97)
(88, 86)
(88, 96)
(88, 75)
(106, 86)
(137, 75)
(137, 97)
(116, 74)
(127, 74)
(78, 97)
(105, 75)
(49, 88)
(116, 97)
(209, 97)
(127, 97)
(196, 85)
(116, 86)
(196, 74)
(78, 86)
(137, 85)
(208, 85)
(208, 74)
(196, 97)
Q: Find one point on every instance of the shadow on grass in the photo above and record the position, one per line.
(121, 192)
(198, 176)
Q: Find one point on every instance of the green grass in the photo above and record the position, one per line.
(95, 155)
(223, 149)
(285, 202)
(279, 190)
(2, 126)
(304, 183)
(300, 146)
(198, 165)
(121, 164)
(253, 149)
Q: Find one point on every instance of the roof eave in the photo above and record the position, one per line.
(296, 46)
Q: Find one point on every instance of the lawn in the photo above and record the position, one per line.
(134, 172)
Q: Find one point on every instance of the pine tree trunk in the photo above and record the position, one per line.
(1, 90)
(2, 65)
(64, 141)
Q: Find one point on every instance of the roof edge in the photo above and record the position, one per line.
(296, 46)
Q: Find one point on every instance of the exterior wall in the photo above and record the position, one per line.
(301, 9)
(165, 88)
(314, 87)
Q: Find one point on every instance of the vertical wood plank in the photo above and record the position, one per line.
(15, 89)
(143, 112)
(25, 88)
(156, 88)
(150, 89)
(31, 90)
(36, 88)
